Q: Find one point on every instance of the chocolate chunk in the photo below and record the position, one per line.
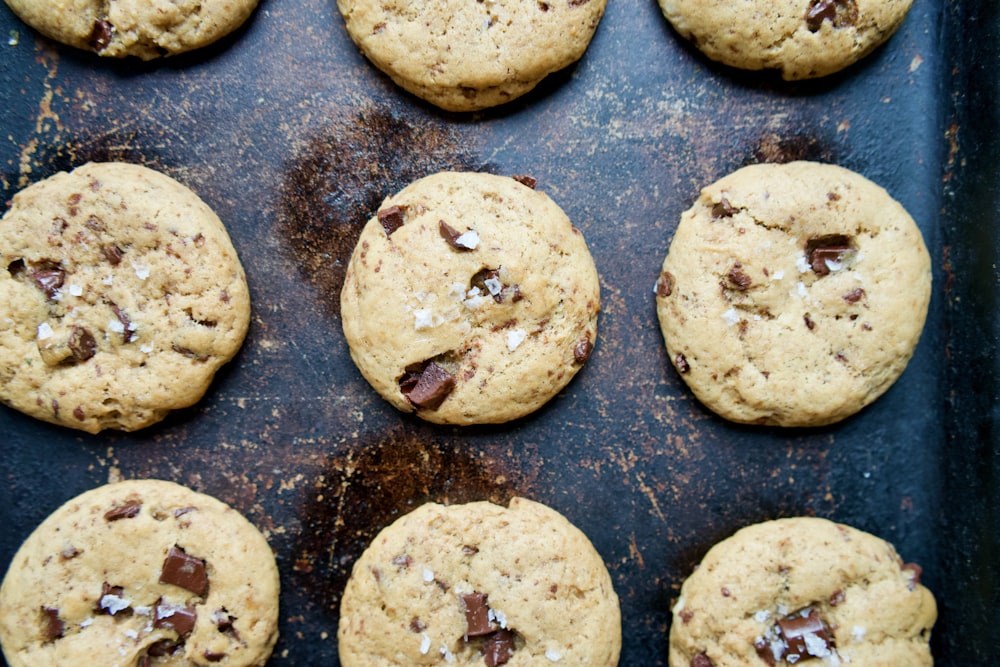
(416, 625)
(52, 625)
(582, 350)
(477, 616)
(488, 282)
(724, 209)
(187, 352)
(452, 236)
(838, 12)
(806, 635)
(916, 571)
(665, 285)
(162, 648)
(432, 386)
(49, 278)
(391, 219)
(737, 279)
(524, 179)
(128, 332)
(809, 322)
(854, 295)
(128, 510)
(701, 660)
(100, 36)
(404, 561)
(82, 345)
(836, 598)
(225, 622)
(681, 363)
(497, 648)
(185, 571)
(113, 254)
(78, 413)
(172, 617)
(764, 652)
(825, 250)
(213, 657)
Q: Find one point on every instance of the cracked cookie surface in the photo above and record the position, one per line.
(141, 573)
(144, 28)
(803, 591)
(121, 295)
(793, 294)
(480, 584)
(470, 299)
(803, 39)
(463, 55)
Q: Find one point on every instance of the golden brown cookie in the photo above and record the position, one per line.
(793, 294)
(463, 55)
(143, 573)
(480, 584)
(144, 28)
(470, 299)
(121, 295)
(802, 591)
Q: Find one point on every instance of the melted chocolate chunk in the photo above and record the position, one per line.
(427, 388)
(737, 279)
(806, 635)
(681, 363)
(185, 571)
(854, 295)
(213, 657)
(172, 617)
(451, 235)
(49, 278)
(128, 332)
(128, 510)
(391, 219)
(524, 179)
(665, 285)
(838, 12)
(724, 209)
(825, 250)
(810, 324)
(497, 648)
(100, 36)
(82, 345)
(764, 652)
(477, 616)
(416, 625)
(701, 660)
(113, 254)
(582, 350)
(160, 649)
(52, 625)
(836, 598)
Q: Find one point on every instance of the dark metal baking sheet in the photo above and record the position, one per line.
(293, 138)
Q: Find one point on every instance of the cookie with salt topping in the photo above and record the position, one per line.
(803, 39)
(793, 294)
(121, 295)
(480, 584)
(470, 299)
(141, 573)
(464, 56)
(802, 591)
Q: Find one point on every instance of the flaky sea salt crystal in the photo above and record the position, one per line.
(44, 331)
(114, 604)
(141, 271)
(493, 285)
(76, 290)
(116, 326)
(469, 239)
(802, 263)
(428, 575)
(801, 287)
(456, 291)
(858, 633)
(515, 338)
(425, 643)
(498, 617)
(145, 349)
(423, 319)
(731, 317)
(778, 275)
(762, 616)
(553, 655)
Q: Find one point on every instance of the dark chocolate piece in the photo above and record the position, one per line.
(185, 571)
(665, 285)
(52, 625)
(213, 657)
(172, 617)
(701, 660)
(488, 282)
(113, 254)
(128, 332)
(128, 510)
(432, 386)
(681, 362)
(823, 249)
(838, 12)
(416, 625)
(582, 350)
(497, 648)
(391, 219)
(724, 209)
(82, 345)
(794, 630)
(524, 179)
(477, 616)
(451, 235)
(854, 295)
(917, 572)
(162, 648)
(100, 36)
(764, 652)
(49, 278)
(737, 279)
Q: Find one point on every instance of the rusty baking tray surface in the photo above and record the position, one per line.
(293, 138)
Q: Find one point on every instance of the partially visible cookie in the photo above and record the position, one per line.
(802, 591)
(470, 299)
(144, 28)
(141, 573)
(803, 39)
(463, 55)
(121, 295)
(480, 584)
(793, 294)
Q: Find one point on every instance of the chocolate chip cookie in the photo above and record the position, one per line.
(802, 591)
(480, 584)
(121, 295)
(144, 28)
(470, 299)
(139, 574)
(803, 39)
(793, 294)
(463, 55)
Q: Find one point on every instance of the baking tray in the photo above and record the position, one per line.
(294, 138)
